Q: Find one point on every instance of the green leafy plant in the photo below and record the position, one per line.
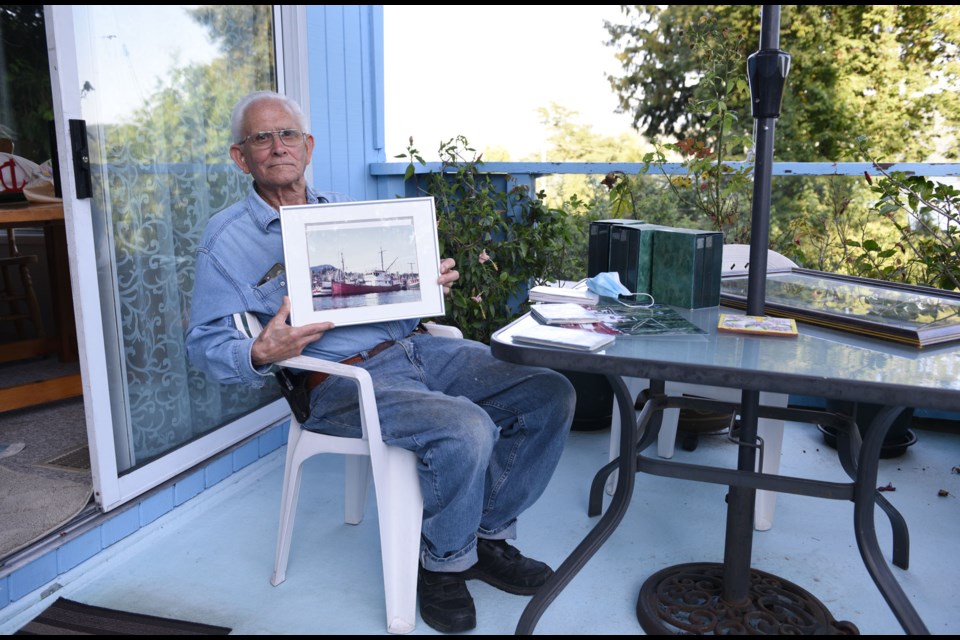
(926, 216)
(504, 238)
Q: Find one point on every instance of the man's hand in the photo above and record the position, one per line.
(448, 275)
(279, 341)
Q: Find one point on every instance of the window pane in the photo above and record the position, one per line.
(158, 84)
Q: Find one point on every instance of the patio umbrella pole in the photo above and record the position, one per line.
(767, 72)
(731, 597)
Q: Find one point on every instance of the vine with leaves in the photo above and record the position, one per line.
(503, 238)
(926, 216)
(713, 192)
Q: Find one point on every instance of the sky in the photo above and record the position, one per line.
(482, 71)
(123, 62)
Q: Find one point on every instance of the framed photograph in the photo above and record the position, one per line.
(359, 262)
(908, 314)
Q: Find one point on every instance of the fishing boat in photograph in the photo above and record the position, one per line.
(376, 281)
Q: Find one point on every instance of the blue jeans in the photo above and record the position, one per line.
(488, 435)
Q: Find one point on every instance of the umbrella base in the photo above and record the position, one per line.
(687, 599)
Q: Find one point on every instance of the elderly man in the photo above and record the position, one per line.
(488, 434)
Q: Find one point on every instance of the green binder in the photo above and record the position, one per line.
(631, 255)
(598, 244)
(686, 265)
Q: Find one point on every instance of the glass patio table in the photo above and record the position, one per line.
(819, 362)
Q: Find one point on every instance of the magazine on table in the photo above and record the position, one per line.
(757, 325)
(610, 317)
(653, 320)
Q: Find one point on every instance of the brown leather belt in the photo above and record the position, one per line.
(316, 377)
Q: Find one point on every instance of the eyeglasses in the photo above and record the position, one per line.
(264, 139)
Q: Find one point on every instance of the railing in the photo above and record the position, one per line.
(390, 174)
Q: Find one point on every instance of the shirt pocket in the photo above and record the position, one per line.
(270, 294)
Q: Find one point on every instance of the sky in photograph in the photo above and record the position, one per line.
(482, 72)
(365, 246)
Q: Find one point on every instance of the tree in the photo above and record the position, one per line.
(571, 141)
(885, 71)
(26, 104)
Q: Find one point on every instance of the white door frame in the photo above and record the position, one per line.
(110, 488)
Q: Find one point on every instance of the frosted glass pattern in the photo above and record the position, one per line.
(158, 84)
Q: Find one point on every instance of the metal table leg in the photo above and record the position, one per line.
(607, 524)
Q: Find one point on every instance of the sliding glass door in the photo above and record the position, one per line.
(146, 92)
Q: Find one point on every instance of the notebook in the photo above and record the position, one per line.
(562, 337)
(545, 293)
(563, 313)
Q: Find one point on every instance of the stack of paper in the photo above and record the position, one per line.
(563, 313)
(544, 293)
(565, 338)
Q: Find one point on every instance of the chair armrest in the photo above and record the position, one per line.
(309, 363)
(248, 324)
(443, 330)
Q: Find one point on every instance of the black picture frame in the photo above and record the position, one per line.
(908, 314)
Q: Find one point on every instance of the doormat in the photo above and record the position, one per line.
(67, 617)
(76, 460)
(33, 505)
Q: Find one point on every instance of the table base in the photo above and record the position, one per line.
(686, 599)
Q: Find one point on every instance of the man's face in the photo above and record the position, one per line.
(277, 166)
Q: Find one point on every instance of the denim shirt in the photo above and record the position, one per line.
(239, 246)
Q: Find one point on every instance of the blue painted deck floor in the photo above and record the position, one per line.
(210, 561)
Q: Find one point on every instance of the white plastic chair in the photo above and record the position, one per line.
(735, 259)
(395, 481)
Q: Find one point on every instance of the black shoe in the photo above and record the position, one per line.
(504, 567)
(445, 603)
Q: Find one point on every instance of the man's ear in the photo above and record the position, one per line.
(310, 143)
(238, 158)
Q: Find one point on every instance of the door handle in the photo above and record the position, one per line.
(81, 158)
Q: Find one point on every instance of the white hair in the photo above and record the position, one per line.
(240, 111)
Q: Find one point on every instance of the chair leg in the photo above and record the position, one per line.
(288, 504)
(400, 509)
(26, 294)
(770, 430)
(356, 480)
(667, 440)
(32, 302)
(615, 421)
(766, 502)
(12, 301)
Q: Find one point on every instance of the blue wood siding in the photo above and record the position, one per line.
(345, 59)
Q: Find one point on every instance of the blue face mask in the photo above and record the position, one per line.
(607, 284)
